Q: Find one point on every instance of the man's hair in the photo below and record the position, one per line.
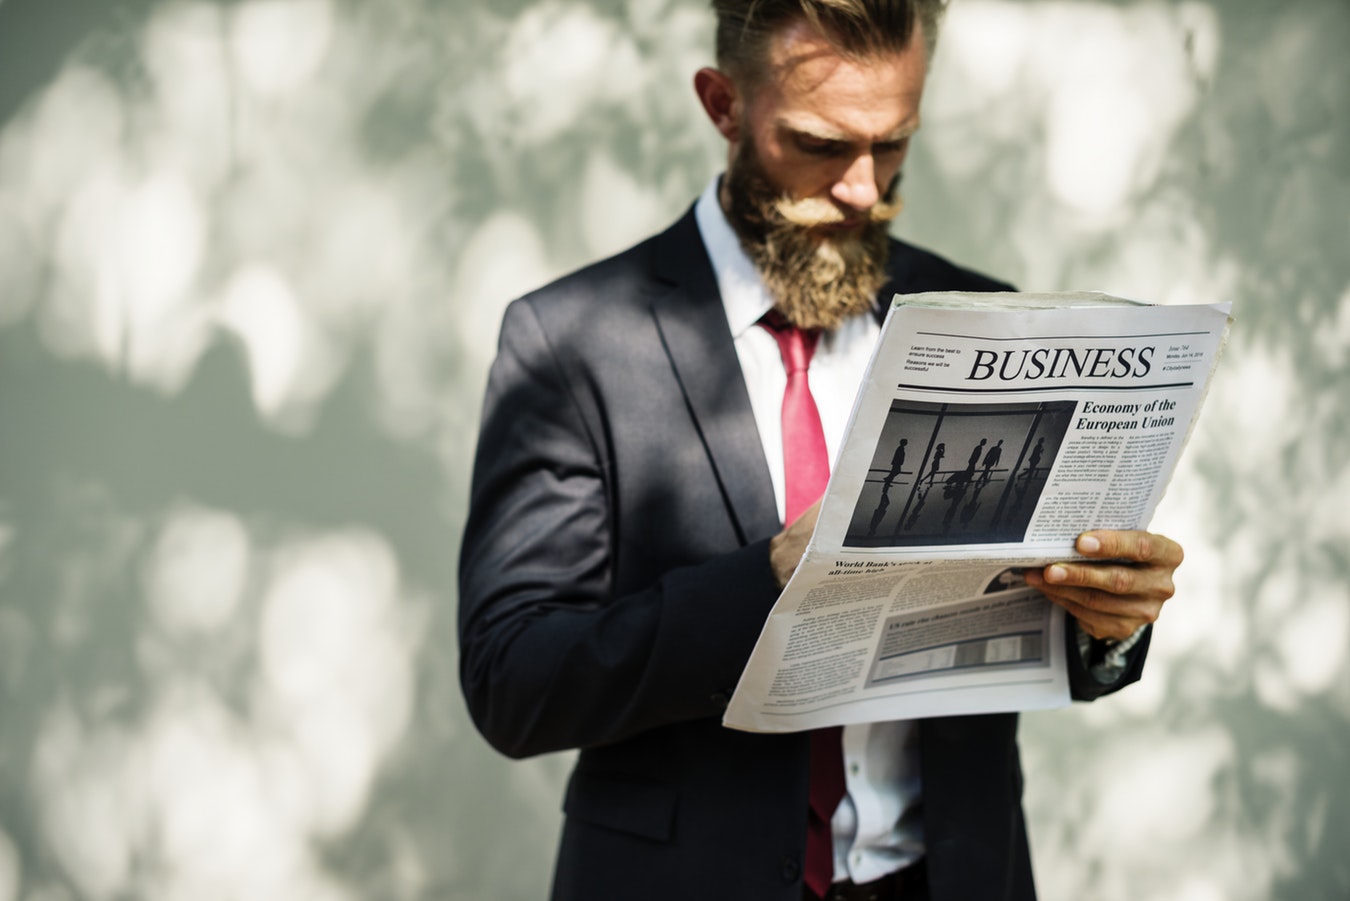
(858, 28)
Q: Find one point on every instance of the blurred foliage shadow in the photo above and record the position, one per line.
(253, 256)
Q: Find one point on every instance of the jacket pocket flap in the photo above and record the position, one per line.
(629, 805)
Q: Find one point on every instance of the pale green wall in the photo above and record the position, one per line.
(252, 257)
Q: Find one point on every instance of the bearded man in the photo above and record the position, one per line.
(641, 495)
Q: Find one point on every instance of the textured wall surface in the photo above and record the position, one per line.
(252, 258)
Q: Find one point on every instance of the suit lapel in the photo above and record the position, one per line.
(693, 328)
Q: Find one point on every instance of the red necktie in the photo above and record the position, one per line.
(806, 469)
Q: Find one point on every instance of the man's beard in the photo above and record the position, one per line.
(817, 277)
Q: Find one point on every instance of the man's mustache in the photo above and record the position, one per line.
(813, 212)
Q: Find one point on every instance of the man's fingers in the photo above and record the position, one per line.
(1122, 588)
(786, 548)
(1111, 581)
(1135, 546)
(806, 522)
(1136, 608)
(1101, 626)
(1119, 623)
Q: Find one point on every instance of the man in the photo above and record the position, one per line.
(897, 463)
(991, 459)
(975, 459)
(938, 453)
(626, 534)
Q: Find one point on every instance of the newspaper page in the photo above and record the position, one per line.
(989, 432)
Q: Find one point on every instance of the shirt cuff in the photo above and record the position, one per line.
(1105, 658)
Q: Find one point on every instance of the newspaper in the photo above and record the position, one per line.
(989, 432)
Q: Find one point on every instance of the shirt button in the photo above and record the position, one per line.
(854, 769)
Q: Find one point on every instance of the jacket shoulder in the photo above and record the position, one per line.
(915, 270)
(624, 278)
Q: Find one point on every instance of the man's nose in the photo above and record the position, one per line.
(857, 187)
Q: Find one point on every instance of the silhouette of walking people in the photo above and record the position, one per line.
(938, 453)
(1034, 459)
(975, 456)
(991, 459)
(897, 461)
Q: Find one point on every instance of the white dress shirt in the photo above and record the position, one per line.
(878, 827)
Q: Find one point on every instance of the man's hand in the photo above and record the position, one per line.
(786, 548)
(1123, 590)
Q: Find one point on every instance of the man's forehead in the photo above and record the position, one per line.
(815, 89)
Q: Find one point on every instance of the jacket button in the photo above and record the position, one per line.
(790, 868)
(721, 699)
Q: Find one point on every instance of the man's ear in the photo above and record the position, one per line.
(721, 101)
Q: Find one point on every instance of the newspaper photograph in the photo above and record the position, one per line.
(989, 432)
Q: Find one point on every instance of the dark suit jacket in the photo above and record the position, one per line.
(614, 578)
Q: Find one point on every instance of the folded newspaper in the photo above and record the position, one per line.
(989, 432)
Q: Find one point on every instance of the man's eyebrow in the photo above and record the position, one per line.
(900, 134)
(809, 130)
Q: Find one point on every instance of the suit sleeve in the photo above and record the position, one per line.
(1087, 681)
(550, 656)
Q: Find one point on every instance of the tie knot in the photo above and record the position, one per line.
(795, 345)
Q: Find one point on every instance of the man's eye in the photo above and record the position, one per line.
(820, 146)
(886, 148)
